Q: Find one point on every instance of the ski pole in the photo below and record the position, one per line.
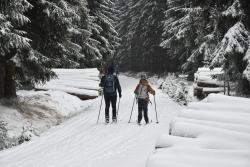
(156, 112)
(100, 109)
(118, 108)
(132, 110)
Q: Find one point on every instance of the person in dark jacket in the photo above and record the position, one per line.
(111, 85)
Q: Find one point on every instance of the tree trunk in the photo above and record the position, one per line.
(2, 78)
(10, 85)
(228, 88)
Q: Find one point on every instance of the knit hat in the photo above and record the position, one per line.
(143, 76)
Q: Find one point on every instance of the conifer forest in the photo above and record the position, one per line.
(124, 83)
(157, 36)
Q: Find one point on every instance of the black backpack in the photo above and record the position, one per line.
(109, 84)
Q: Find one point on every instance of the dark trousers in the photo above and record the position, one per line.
(110, 99)
(142, 107)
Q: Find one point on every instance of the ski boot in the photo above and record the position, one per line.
(107, 121)
(114, 120)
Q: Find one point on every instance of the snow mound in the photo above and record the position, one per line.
(215, 132)
(217, 98)
(49, 104)
(83, 83)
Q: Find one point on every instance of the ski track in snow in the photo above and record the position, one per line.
(80, 142)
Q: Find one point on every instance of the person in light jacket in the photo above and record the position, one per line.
(142, 91)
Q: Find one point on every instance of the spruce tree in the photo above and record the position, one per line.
(124, 58)
(13, 42)
(208, 33)
(53, 28)
(103, 31)
(140, 30)
(185, 27)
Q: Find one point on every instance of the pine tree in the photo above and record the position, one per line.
(13, 41)
(126, 15)
(140, 29)
(246, 72)
(232, 51)
(210, 33)
(53, 28)
(103, 31)
(232, 54)
(185, 27)
(60, 33)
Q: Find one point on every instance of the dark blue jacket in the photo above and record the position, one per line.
(117, 84)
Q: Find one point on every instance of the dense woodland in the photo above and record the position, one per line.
(139, 35)
(37, 35)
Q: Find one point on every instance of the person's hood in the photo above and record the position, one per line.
(144, 82)
(111, 70)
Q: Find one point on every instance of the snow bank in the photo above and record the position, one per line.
(38, 111)
(48, 104)
(227, 117)
(218, 107)
(14, 120)
(218, 98)
(203, 141)
(193, 130)
(215, 132)
(179, 156)
(228, 125)
(83, 83)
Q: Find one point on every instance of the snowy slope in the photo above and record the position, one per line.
(80, 142)
(37, 111)
(215, 132)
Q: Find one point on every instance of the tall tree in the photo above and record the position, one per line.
(103, 31)
(232, 51)
(208, 33)
(60, 33)
(13, 41)
(140, 29)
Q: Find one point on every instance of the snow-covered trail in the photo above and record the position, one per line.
(80, 142)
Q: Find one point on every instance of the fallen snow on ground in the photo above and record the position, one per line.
(49, 103)
(37, 111)
(16, 121)
(74, 81)
(80, 142)
(215, 132)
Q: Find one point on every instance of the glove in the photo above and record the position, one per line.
(100, 91)
(120, 95)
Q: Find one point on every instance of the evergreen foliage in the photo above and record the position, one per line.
(209, 33)
(43, 34)
(190, 33)
(13, 41)
(140, 35)
(140, 29)
(104, 34)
